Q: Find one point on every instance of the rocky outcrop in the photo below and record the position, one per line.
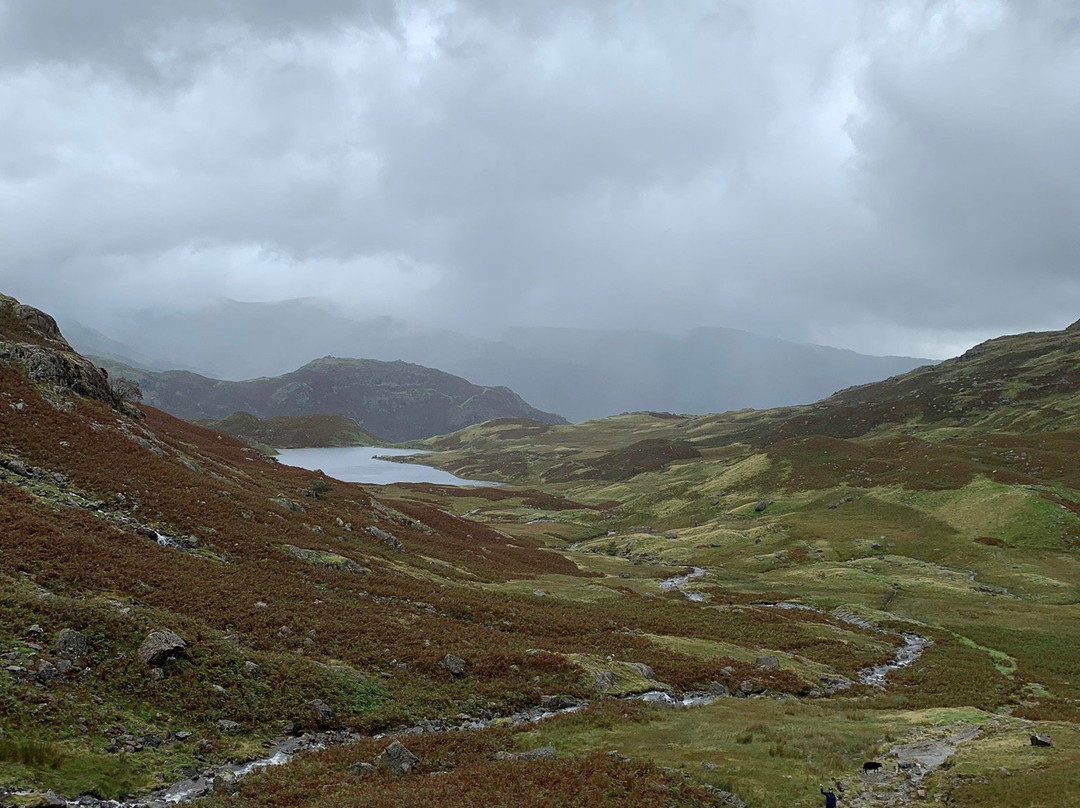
(388, 538)
(38, 320)
(59, 369)
(31, 342)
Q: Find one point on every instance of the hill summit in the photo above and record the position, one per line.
(398, 401)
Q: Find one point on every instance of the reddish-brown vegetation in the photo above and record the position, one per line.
(460, 769)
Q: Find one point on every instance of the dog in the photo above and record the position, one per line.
(871, 766)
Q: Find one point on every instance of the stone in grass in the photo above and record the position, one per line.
(645, 671)
(767, 663)
(159, 646)
(70, 644)
(288, 504)
(454, 664)
(540, 753)
(361, 769)
(396, 759)
(225, 725)
(225, 780)
(718, 689)
(1038, 739)
(320, 711)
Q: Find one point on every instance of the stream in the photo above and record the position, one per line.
(679, 581)
(914, 644)
(907, 654)
(284, 749)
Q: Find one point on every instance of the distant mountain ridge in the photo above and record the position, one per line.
(580, 373)
(398, 401)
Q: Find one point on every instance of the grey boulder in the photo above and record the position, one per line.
(454, 664)
(396, 759)
(160, 646)
(70, 644)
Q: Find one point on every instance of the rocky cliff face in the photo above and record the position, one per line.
(31, 342)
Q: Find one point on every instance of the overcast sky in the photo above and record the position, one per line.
(890, 176)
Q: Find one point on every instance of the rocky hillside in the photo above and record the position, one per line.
(293, 431)
(396, 400)
(31, 341)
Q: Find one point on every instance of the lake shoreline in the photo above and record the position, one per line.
(371, 465)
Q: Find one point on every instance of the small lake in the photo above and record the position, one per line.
(360, 464)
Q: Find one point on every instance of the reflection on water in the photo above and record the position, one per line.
(359, 464)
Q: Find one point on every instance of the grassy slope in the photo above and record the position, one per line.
(948, 497)
(349, 620)
(945, 525)
(294, 431)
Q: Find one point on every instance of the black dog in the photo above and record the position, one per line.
(870, 766)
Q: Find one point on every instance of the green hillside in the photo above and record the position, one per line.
(905, 590)
(293, 431)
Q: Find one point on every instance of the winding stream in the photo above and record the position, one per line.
(283, 750)
(912, 649)
(679, 581)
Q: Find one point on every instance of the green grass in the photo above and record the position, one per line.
(47, 765)
(773, 754)
(1001, 767)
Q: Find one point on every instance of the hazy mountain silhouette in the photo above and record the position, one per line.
(579, 373)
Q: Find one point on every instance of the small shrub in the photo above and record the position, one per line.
(320, 487)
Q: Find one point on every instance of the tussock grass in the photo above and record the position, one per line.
(37, 754)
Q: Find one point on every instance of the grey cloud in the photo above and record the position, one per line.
(887, 176)
(146, 42)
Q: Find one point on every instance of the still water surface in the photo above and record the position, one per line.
(359, 464)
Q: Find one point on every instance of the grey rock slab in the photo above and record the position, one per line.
(396, 759)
